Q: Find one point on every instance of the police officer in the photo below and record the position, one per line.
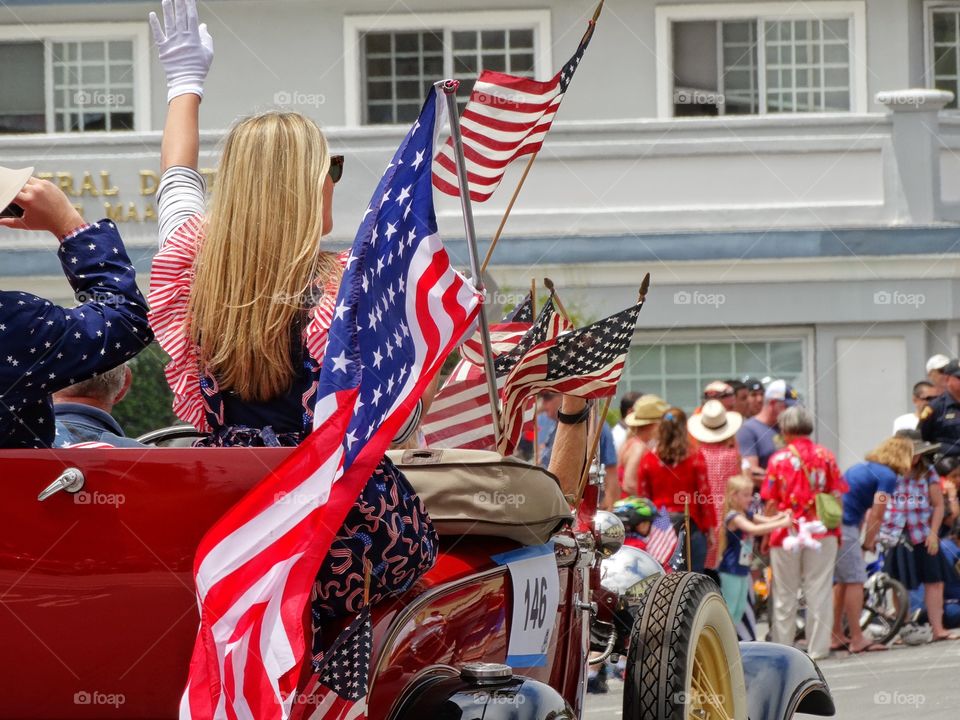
(940, 420)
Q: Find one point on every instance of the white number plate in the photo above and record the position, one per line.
(536, 594)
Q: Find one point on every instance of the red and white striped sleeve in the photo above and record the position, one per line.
(321, 317)
(171, 279)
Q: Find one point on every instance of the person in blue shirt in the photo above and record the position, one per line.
(45, 347)
(83, 411)
(864, 504)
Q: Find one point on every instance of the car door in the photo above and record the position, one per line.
(97, 609)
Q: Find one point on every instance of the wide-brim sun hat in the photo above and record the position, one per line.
(714, 423)
(11, 183)
(648, 410)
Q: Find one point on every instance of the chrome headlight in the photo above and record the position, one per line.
(628, 573)
(609, 533)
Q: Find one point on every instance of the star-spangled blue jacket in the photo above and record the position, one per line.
(45, 347)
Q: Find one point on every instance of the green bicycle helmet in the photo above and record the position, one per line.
(634, 510)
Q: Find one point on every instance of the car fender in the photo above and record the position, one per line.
(439, 691)
(782, 681)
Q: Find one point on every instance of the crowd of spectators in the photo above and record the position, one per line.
(767, 501)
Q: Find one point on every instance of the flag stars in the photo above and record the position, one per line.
(418, 159)
(340, 362)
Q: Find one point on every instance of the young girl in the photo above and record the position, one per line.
(736, 544)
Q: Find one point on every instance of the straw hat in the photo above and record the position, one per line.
(646, 411)
(714, 423)
(11, 183)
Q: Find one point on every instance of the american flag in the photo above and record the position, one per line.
(662, 539)
(400, 310)
(339, 690)
(585, 363)
(460, 416)
(505, 117)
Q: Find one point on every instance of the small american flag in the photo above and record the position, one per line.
(400, 310)
(339, 692)
(505, 117)
(662, 538)
(460, 416)
(585, 363)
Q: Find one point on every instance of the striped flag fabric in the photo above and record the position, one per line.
(506, 117)
(460, 416)
(400, 310)
(585, 363)
(662, 539)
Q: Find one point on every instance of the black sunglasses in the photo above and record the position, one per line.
(336, 168)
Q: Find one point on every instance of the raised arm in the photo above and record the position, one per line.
(570, 448)
(185, 50)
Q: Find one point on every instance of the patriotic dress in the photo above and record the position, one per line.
(45, 347)
(388, 527)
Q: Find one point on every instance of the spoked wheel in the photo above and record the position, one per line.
(886, 603)
(684, 659)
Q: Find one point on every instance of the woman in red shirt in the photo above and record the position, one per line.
(676, 474)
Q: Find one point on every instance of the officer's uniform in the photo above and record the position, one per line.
(940, 423)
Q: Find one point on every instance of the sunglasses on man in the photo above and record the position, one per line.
(336, 168)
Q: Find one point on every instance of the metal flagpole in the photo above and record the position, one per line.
(449, 88)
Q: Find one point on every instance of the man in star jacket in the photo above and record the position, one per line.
(45, 347)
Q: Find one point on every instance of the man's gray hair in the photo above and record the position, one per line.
(103, 387)
(796, 421)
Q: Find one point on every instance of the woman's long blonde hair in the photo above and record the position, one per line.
(261, 252)
(894, 452)
(734, 485)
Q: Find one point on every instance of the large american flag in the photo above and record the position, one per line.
(460, 416)
(400, 310)
(506, 117)
(585, 363)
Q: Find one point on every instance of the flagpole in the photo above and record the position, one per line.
(506, 213)
(563, 311)
(594, 444)
(536, 423)
(449, 88)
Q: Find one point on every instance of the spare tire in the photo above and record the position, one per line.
(684, 658)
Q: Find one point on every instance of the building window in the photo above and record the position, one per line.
(755, 59)
(678, 372)
(399, 61)
(89, 82)
(943, 56)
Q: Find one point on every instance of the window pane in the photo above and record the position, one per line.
(407, 42)
(945, 48)
(681, 359)
(807, 57)
(750, 358)
(494, 62)
(684, 394)
(91, 51)
(520, 64)
(716, 360)
(93, 81)
(786, 357)
(644, 360)
(397, 68)
(22, 102)
(465, 40)
(493, 39)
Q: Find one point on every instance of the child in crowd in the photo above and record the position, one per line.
(736, 544)
(637, 515)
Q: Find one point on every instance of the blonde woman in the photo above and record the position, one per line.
(871, 483)
(242, 297)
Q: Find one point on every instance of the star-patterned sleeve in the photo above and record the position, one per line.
(46, 347)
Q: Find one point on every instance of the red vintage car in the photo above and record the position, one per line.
(99, 613)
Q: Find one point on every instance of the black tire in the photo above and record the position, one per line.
(886, 603)
(672, 618)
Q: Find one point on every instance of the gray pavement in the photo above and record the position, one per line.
(902, 683)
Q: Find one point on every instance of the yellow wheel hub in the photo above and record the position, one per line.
(711, 692)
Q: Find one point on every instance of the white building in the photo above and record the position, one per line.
(798, 216)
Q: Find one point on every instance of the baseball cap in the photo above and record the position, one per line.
(779, 390)
(717, 388)
(951, 368)
(11, 183)
(752, 384)
(937, 362)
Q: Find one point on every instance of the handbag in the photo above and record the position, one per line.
(829, 509)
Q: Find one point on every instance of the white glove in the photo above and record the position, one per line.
(184, 47)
